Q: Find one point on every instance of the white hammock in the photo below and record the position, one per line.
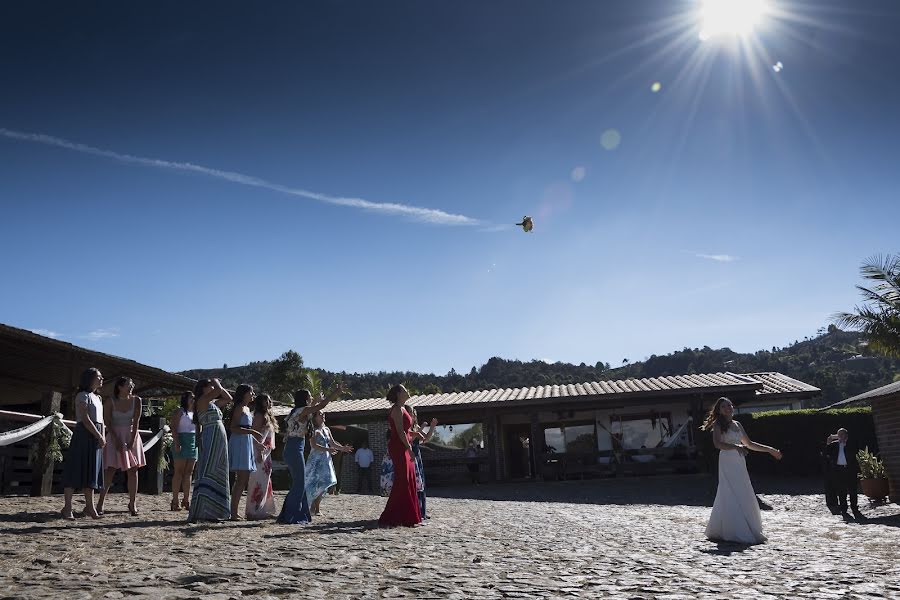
(673, 439)
(159, 435)
(17, 435)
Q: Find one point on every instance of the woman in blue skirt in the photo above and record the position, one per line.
(295, 509)
(241, 456)
(82, 468)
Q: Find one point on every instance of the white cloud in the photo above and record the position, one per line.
(416, 213)
(717, 257)
(496, 228)
(101, 334)
(46, 333)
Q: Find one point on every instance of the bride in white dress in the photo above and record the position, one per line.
(735, 515)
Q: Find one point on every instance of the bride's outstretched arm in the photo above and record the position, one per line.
(751, 445)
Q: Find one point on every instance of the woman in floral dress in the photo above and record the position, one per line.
(260, 499)
(320, 475)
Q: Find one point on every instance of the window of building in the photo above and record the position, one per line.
(641, 431)
(571, 439)
(459, 435)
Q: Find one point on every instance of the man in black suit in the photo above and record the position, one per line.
(843, 469)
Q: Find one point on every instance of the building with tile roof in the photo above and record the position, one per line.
(562, 431)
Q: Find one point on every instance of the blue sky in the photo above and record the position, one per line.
(734, 210)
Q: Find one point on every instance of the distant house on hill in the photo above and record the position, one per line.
(561, 431)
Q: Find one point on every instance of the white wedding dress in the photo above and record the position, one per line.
(735, 515)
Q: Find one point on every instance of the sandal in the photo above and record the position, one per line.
(185, 504)
(132, 510)
(66, 515)
(174, 505)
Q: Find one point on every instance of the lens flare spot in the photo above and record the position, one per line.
(777, 67)
(578, 174)
(656, 87)
(610, 139)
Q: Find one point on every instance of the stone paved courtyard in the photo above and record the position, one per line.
(638, 538)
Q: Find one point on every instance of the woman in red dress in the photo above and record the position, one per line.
(403, 504)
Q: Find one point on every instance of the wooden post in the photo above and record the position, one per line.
(42, 472)
(537, 446)
(151, 478)
(492, 440)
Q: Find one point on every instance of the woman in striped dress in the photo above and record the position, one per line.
(211, 499)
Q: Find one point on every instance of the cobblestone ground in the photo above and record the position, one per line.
(640, 538)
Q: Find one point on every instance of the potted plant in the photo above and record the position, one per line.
(872, 478)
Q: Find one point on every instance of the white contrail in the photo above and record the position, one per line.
(426, 215)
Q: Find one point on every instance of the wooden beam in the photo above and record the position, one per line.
(42, 471)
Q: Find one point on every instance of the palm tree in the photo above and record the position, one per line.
(313, 384)
(879, 315)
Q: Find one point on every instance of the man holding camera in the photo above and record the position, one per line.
(843, 470)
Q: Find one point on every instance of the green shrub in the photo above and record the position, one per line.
(869, 465)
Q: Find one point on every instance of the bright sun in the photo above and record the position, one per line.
(730, 17)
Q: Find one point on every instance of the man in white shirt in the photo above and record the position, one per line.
(364, 458)
(843, 469)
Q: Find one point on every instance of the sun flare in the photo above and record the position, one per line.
(730, 17)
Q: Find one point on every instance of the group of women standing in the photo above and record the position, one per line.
(107, 439)
(247, 453)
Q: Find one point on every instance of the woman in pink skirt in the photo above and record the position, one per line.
(124, 450)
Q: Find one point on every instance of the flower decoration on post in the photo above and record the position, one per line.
(58, 438)
(165, 443)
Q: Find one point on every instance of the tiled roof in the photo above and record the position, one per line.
(882, 392)
(34, 358)
(761, 383)
(776, 383)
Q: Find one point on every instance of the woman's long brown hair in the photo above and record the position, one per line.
(715, 417)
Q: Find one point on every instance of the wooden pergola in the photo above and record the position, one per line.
(40, 375)
(33, 366)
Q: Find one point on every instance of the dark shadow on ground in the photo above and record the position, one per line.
(332, 527)
(670, 490)
(667, 490)
(726, 549)
(35, 517)
(96, 524)
(888, 520)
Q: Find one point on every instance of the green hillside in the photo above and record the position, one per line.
(835, 361)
